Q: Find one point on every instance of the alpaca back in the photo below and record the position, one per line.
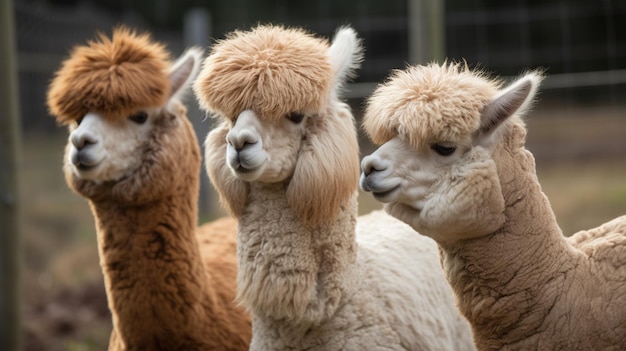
(401, 270)
(608, 236)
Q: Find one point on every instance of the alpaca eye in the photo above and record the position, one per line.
(139, 117)
(443, 150)
(295, 117)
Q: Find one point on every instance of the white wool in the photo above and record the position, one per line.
(331, 281)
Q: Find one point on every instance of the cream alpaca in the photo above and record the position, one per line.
(133, 154)
(453, 165)
(285, 161)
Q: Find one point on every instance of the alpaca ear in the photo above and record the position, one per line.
(345, 55)
(516, 98)
(183, 72)
(327, 171)
(233, 192)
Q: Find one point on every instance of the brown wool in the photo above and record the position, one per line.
(111, 76)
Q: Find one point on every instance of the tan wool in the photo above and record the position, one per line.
(270, 69)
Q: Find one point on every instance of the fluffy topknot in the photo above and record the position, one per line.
(425, 104)
(113, 76)
(270, 69)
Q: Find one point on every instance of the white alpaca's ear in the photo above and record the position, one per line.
(345, 54)
(514, 99)
(183, 72)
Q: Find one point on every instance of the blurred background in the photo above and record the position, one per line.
(577, 130)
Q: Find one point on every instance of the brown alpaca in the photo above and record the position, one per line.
(133, 154)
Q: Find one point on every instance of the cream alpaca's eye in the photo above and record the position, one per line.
(295, 117)
(443, 150)
(139, 117)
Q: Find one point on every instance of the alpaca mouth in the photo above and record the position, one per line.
(83, 162)
(379, 195)
(367, 183)
(243, 162)
(83, 167)
(244, 170)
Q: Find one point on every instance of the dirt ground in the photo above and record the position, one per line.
(581, 162)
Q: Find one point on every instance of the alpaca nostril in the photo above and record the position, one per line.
(377, 169)
(371, 164)
(242, 146)
(81, 140)
(240, 141)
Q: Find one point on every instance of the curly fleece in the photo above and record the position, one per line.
(112, 76)
(270, 69)
(430, 103)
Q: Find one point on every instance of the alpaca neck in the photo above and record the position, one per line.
(288, 269)
(156, 284)
(502, 279)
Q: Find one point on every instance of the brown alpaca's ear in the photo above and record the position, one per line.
(327, 170)
(233, 192)
(183, 72)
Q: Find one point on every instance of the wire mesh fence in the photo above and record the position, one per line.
(579, 43)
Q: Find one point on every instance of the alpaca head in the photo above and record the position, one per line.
(275, 91)
(129, 136)
(440, 128)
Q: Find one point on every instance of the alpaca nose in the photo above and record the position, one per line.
(82, 138)
(241, 139)
(371, 164)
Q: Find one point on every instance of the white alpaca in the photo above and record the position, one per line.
(285, 161)
(133, 154)
(453, 165)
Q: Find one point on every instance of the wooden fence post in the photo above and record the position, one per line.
(427, 31)
(10, 248)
